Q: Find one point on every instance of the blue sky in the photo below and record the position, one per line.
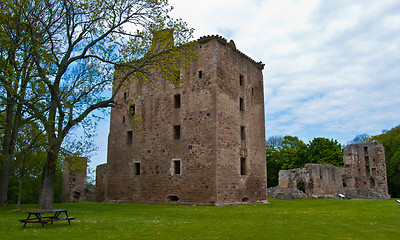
(332, 67)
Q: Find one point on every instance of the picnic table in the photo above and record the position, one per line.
(45, 216)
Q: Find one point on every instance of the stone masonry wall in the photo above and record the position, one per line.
(74, 180)
(241, 132)
(201, 135)
(363, 176)
(323, 180)
(365, 171)
(100, 189)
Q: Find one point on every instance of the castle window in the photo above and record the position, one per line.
(132, 110)
(241, 104)
(176, 77)
(177, 100)
(125, 95)
(177, 131)
(176, 166)
(137, 168)
(241, 80)
(365, 150)
(200, 74)
(242, 133)
(242, 166)
(123, 119)
(129, 138)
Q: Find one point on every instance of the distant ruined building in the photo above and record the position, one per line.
(74, 180)
(201, 144)
(363, 176)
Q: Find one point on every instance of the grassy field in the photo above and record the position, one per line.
(281, 219)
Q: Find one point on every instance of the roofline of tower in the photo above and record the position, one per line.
(231, 45)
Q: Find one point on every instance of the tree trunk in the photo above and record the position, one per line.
(4, 174)
(5, 159)
(19, 193)
(21, 180)
(46, 196)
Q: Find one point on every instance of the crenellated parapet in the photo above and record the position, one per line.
(231, 45)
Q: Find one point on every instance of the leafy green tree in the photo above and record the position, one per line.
(76, 45)
(29, 155)
(294, 153)
(274, 164)
(16, 70)
(283, 153)
(325, 151)
(391, 141)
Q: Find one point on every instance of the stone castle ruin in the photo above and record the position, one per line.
(200, 144)
(74, 180)
(100, 188)
(363, 176)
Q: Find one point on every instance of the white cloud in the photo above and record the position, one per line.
(332, 67)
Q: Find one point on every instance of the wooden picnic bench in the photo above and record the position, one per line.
(43, 217)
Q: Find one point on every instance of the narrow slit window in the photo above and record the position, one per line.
(241, 104)
(242, 166)
(177, 100)
(177, 131)
(177, 167)
(125, 95)
(241, 80)
(242, 133)
(129, 138)
(200, 74)
(132, 110)
(123, 119)
(137, 168)
(177, 76)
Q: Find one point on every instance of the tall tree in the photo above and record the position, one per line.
(391, 141)
(284, 153)
(77, 45)
(16, 70)
(29, 154)
(325, 151)
(294, 153)
(274, 159)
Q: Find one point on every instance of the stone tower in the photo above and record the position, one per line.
(365, 171)
(200, 144)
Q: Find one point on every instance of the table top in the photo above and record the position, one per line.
(48, 211)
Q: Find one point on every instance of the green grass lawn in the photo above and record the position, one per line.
(281, 219)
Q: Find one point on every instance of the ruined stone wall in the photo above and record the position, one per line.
(314, 180)
(365, 169)
(363, 176)
(100, 189)
(323, 180)
(142, 160)
(290, 179)
(74, 180)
